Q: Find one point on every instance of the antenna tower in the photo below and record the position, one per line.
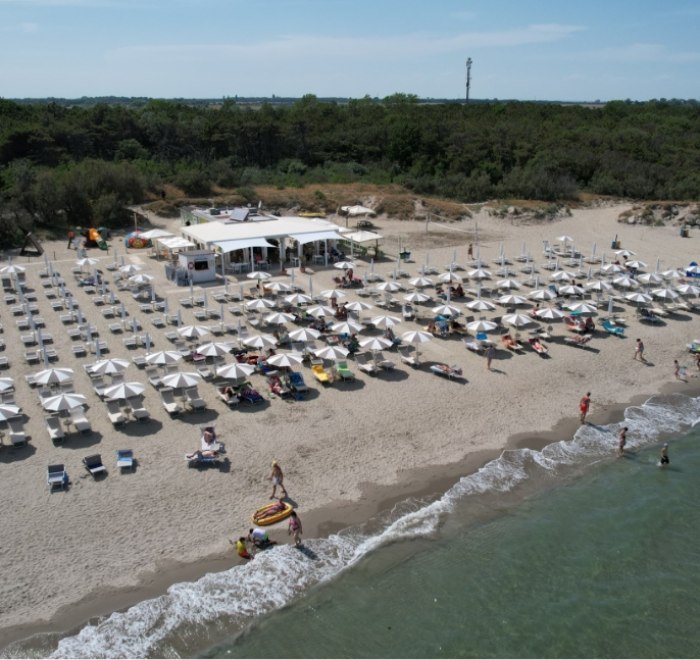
(469, 77)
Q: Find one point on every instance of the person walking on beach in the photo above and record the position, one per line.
(678, 372)
(71, 237)
(639, 351)
(584, 405)
(295, 528)
(622, 441)
(663, 459)
(277, 479)
(490, 352)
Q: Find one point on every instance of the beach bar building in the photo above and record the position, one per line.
(259, 241)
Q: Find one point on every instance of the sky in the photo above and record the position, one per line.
(563, 50)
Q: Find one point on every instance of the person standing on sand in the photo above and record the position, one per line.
(677, 371)
(584, 405)
(295, 528)
(639, 350)
(277, 479)
(71, 237)
(622, 436)
(490, 352)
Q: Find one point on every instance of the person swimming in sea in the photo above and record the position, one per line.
(663, 459)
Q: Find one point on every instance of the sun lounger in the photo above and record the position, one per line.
(408, 358)
(194, 400)
(18, 435)
(538, 346)
(611, 328)
(54, 428)
(125, 459)
(94, 465)
(80, 421)
(578, 340)
(141, 414)
(344, 371)
(171, 406)
(446, 371)
(57, 476)
(296, 380)
(320, 374)
(116, 416)
(364, 364)
(381, 361)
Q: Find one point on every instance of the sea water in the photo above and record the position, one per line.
(564, 552)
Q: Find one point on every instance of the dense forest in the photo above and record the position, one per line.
(63, 165)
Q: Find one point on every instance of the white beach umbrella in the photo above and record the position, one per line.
(193, 331)
(480, 274)
(565, 239)
(482, 325)
(638, 297)
(6, 384)
(358, 306)
(320, 310)
(421, 281)
(304, 334)
(110, 366)
(625, 253)
(450, 278)
(124, 390)
(279, 318)
(53, 376)
(348, 327)
(163, 357)
(541, 294)
(141, 278)
(181, 379)
(636, 264)
(260, 341)
(512, 299)
(64, 401)
(385, 321)
(333, 294)
(693, 269)
(446, 310)
(598, 285)
(416, 297)
(625, 282)
(130, 269)
(416, 336)
(480, 305)
(343, 265)
(332, 352)
(288, 360)
(688, 290)
(571, 290)
(12, 269)
(665, 294)
(375, 343)
(550, 314)
(259, 304)
(8, 411)
(650, 279)
(673, 274)
(213, 349)
(508, 284)
(611, 269)
(258, 275)
(561, 276)
(277, 287)
(87, 261)
(298, 299)
(235, 370)
(582, 308)
(389, 287)
(516, 320)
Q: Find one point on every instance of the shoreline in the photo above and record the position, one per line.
(428, 482)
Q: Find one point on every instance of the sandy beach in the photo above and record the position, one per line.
(347, 449)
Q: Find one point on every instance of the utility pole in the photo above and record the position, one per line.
(469, 77)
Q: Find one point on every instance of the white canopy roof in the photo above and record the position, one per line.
(362, 236)
(316, 236)
(241, 244)
(175, 242)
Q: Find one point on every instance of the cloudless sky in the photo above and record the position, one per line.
(570, 50)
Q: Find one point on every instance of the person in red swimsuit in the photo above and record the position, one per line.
(584, 406)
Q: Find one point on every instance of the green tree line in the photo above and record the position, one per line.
(63, 165)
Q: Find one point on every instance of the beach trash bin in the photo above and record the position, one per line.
(684, 232)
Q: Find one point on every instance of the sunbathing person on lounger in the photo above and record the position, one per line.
(209, 448)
